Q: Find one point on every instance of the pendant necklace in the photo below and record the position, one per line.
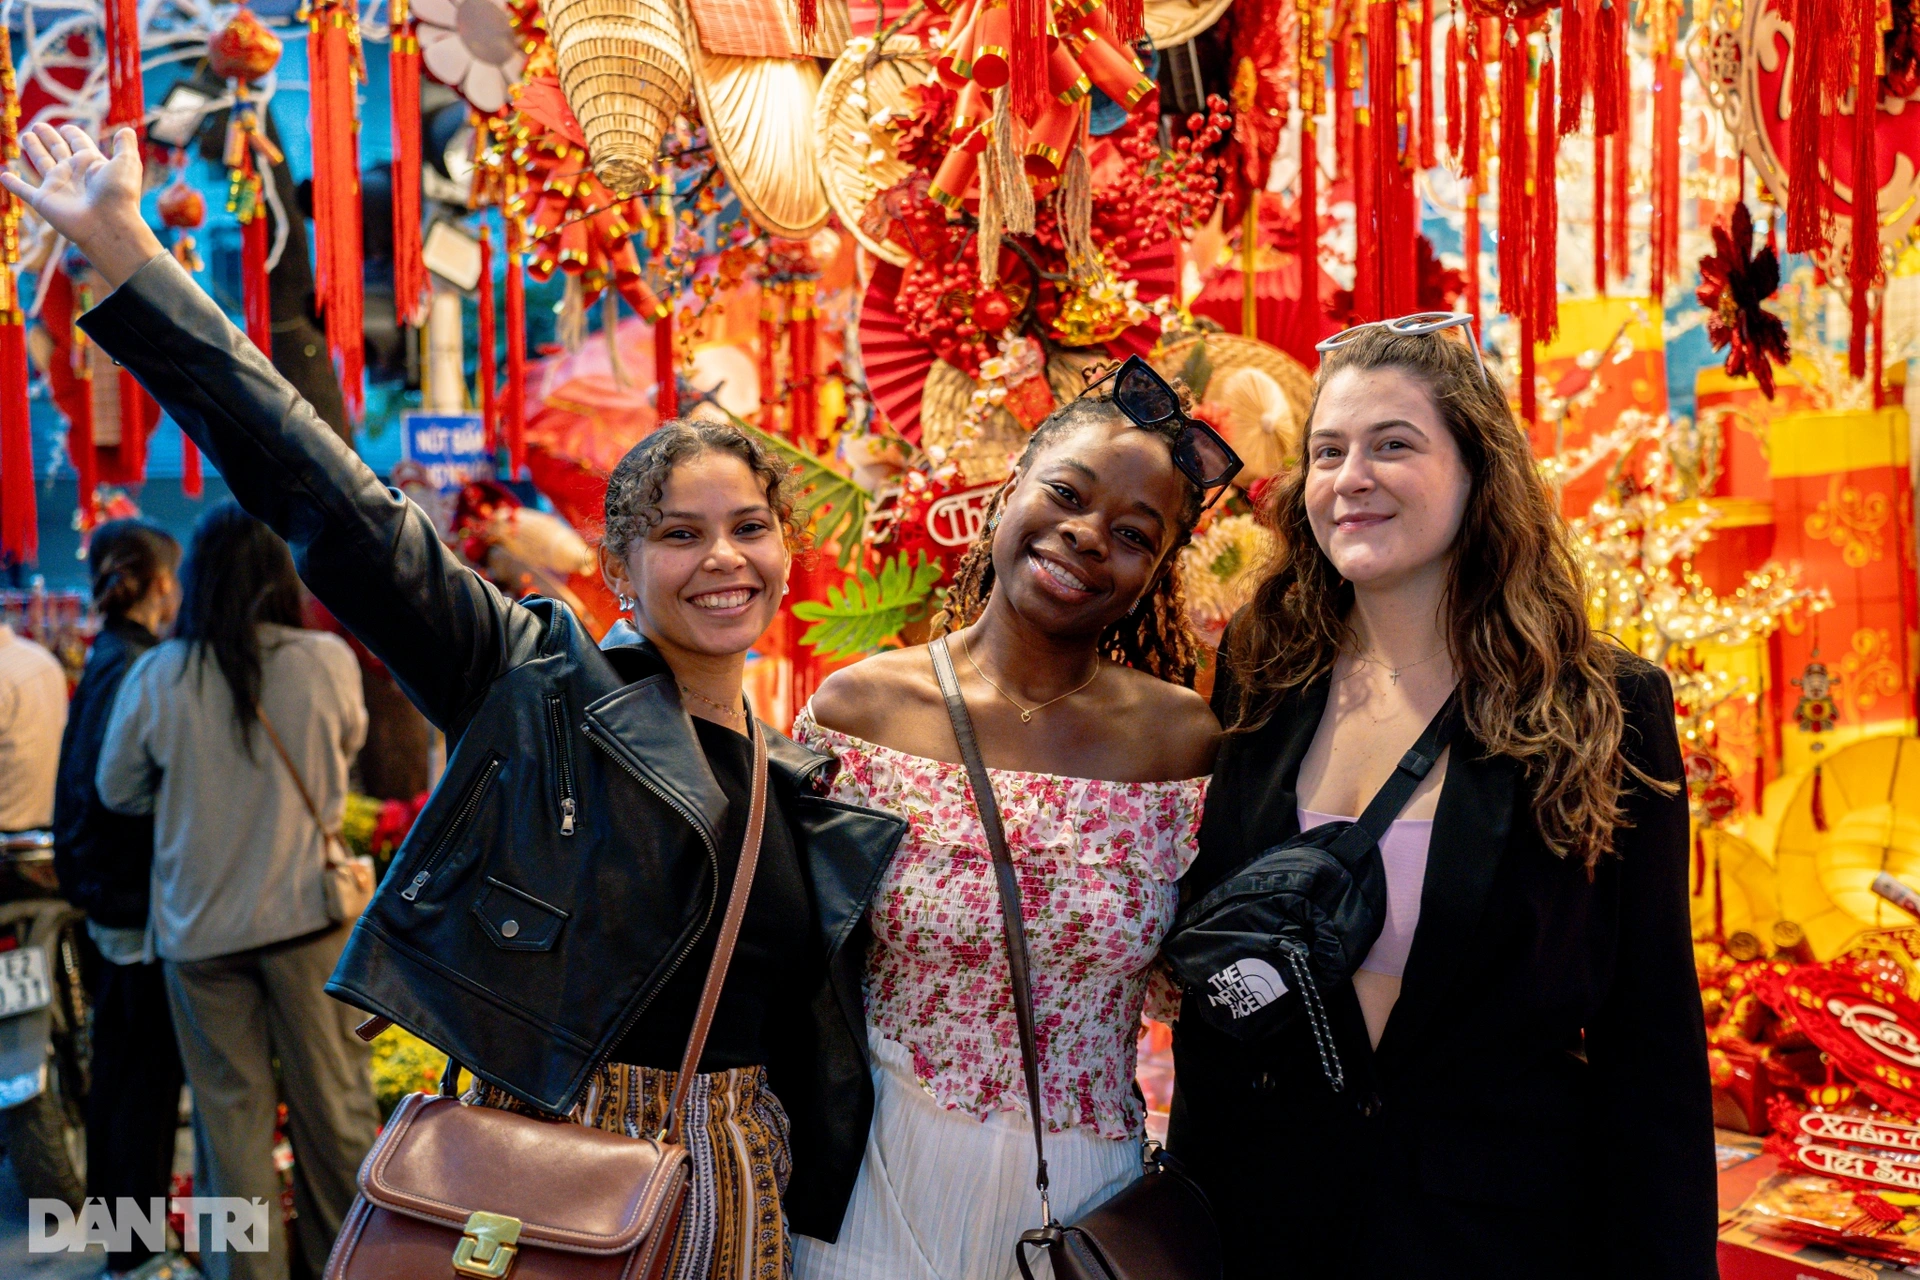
(732, 713)
(1393, 673)
(1026, 713)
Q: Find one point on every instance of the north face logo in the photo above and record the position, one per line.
(1246, 987)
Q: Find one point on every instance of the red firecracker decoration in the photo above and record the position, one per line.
(410, 285)
(19, 518)
(333, 70)
(666, 369)
(1734, 281)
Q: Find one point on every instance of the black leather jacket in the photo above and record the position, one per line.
(104, 859)
(576, 800)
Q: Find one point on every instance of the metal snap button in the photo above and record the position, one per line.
(509, 928)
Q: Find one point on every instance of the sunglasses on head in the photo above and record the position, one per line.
(1147, 400)
(1415, 325)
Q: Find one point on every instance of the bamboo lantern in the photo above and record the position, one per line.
(624, 71)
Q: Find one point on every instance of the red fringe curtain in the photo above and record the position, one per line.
(333, 69)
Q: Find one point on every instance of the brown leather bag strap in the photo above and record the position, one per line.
(729, 932)
(1013, 920)
(306, 797)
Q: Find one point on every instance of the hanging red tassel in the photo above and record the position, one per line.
(1475, 92)
(1423, 58)
(410, 285)
(1343, 122)
(256, 291)
(1619, 257)
(666, 400)
(808, 14)
(1129, 20)
(1529, 390)
(1658, 267)
(126, 98)
(1600, 199)
(1515, 243)
(19, 514)
(138, 416)
(1546, 208)
(1816, 801)
(333, 69)
(1576, 19)
(1386, 216)
(516, 355)
(803, 392)
(1863, 267)
(192, 483)
(1813, 36)
(1699, 862)
(489, 388)
(1451, 71)
(1028, 57)
(1609, 57)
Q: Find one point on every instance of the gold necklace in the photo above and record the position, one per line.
(732, 713)
(1393, 673)
(1026, 713)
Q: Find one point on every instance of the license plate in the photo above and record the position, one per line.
(23, 980)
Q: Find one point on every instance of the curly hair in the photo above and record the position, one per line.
(1154, 636)
(1537, 683)
(639, 481)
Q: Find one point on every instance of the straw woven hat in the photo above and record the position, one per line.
(1264, 391)
(840, 121)
(1172, 22)
(943, 408)
(759, 117)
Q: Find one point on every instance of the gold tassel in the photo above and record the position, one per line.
(570, 326)
(989, 245)
(1076, 220)
(1016, 197)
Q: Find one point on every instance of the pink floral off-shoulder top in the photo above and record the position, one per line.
(1098, 862)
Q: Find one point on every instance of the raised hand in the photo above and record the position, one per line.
(91, 199)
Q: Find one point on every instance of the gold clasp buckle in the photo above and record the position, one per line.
(487, 1245)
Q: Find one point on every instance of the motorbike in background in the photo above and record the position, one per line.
(44, 1023)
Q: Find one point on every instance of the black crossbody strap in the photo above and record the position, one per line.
(1407, 775)
(1016, 929)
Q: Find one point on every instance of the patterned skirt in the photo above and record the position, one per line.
(736, 1136)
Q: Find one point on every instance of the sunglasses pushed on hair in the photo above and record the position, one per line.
(1416, 325)
(1147, 400)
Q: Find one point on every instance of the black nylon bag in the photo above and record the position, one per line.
(1256, 952)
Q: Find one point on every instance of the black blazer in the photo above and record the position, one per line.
(1539, 1101)
(104, 859)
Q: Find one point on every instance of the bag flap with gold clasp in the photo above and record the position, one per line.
(508, 1180)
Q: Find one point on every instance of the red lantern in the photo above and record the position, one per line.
(243, 49)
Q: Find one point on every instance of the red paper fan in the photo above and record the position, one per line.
(1156, 271)
(896, 362)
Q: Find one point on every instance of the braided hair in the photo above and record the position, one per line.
(1153, 636)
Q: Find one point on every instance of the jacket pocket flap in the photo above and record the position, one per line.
(572, 1188)
(516, 920)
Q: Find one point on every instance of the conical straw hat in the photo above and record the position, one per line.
(1264, 390)
(1172, 22)
(943, 411)
(624, 70)
(840, 122)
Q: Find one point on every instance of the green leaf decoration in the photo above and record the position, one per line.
(868, 610)
(1197, 372)
(828, 504)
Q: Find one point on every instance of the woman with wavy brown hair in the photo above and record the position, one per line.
(1525, 1061)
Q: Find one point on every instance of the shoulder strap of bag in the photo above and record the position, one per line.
(729, 933)
(1415, 765)
(1015, 923)
(330, 838)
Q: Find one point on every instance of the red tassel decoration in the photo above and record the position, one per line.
(1576, 20)
(666, 400)
(1343, 123)
(1665, 105)
(19, 514)
(1476, 96)
(1529, 389)
(1812, 36)
(802, 343)
(1609, 57)
(1028, 57)
(1452, 72)
(1863, 267)
(808, 14)
(126, 98)
(1423, 56)
(1546, 208)
(192, 483)
(1515, 244)
(410, 285)
(1600, 198)
(255, 290)
(138, 416)
(1307, 229)
(332, 72)
(489, 380)
(1619, 170)
(1816, 802)
(1699, 861)
(516, 355)
(1129, 20)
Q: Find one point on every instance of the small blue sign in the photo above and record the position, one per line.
(451, 446)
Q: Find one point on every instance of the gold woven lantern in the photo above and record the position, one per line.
(624, 71)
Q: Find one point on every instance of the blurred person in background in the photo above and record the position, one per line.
(33, 712)
(105, 864)
(239, 909)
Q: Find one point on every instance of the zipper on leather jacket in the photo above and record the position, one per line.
(563, 760)
(456, 828)
(713, 860)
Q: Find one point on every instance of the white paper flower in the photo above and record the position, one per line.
(469, 46)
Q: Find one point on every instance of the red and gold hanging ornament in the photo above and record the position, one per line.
(126, 97)
(241, 52)
(334, 69)
(410, 285)
(184, 209)
(1734, 282)
(19, 518)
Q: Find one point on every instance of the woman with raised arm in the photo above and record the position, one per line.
(1065, 631)
(1518, 1069)
(549, 920)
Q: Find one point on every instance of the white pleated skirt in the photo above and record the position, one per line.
(943, 1196)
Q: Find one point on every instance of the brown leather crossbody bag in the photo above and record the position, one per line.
(1157, 1227)
(452, 1189)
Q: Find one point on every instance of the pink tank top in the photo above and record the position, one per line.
(1404, 850)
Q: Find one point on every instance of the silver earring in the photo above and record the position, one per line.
(626, 602)
(786, 588)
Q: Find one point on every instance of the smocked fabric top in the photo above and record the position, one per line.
(1098, 863)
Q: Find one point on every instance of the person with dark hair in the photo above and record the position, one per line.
(1522, 1050)
(105, 861)
(1076, 665)
(550, 919)
(216, 733)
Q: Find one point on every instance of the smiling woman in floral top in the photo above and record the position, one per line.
(1076, 664)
